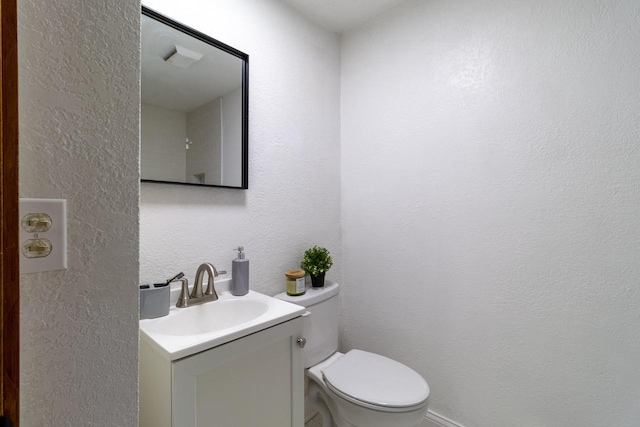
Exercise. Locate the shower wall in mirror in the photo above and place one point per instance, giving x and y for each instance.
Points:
(194, 122)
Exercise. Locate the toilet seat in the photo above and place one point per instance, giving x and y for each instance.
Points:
(376, 382)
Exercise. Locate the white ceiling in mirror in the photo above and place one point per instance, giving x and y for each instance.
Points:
(342, 15)
(160, 46)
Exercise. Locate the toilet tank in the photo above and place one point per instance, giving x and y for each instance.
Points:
(320, 321)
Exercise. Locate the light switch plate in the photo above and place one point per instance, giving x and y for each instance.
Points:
(43, 250)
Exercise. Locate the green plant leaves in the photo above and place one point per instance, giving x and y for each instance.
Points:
(316, 260)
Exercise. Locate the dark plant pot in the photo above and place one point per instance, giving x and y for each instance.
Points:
(317, 281)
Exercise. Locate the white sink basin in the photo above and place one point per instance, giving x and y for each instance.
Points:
(210, 317)
(190, 330)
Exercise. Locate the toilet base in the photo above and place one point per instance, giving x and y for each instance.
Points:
(319, 402)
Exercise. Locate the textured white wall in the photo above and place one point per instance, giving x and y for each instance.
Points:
(163, 134)
(79, 126)
(293, 199)
(232, 138)
(204, 130)
(490, 206)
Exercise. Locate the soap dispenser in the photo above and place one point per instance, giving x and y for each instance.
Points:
(240, 274)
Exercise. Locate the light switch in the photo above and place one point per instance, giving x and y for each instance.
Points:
(43, 235)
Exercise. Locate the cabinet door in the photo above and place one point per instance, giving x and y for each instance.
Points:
(255, 381)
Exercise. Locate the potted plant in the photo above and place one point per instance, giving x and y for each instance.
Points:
(316, 261)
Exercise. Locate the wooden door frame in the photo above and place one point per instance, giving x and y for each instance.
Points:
(9, 217)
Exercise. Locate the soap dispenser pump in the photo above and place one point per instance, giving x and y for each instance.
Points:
(240, 274)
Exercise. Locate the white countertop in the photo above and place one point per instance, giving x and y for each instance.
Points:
(161, 332)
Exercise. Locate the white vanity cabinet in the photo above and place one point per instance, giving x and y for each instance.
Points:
(253, 381)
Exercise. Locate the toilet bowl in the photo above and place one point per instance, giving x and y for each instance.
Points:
(357, 388)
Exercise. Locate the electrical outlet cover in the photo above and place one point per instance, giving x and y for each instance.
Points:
(56, 235)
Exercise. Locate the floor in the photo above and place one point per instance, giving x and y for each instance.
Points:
(314, 422)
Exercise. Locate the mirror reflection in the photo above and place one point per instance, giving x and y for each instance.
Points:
(194, 104)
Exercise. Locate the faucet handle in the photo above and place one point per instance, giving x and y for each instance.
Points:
(220, 272)
(184, 294)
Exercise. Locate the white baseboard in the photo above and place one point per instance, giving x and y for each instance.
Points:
(435, 420)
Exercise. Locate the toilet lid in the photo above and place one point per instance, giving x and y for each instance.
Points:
(376, 380)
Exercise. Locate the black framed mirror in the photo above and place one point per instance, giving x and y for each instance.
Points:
(195, 107)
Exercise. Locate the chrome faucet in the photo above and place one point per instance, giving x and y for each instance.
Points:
(197, 296)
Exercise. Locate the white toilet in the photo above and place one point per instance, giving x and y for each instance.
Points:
(358, 388)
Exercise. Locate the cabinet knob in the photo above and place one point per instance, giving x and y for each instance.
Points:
(302, 342)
